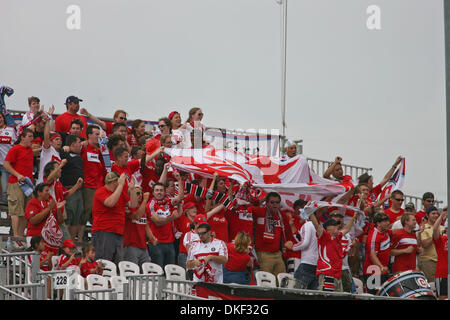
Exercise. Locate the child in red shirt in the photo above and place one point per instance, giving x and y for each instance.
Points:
(88, 265)
(67, 258)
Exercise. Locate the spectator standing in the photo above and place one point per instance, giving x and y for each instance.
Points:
(71, 172)
(377, 255)
(427, 200)
(395, 211)
(236, 270)
(404, 245)
(7, 139)
(207, 256)
(162, 211)
(108, 216)
(137, 230)
(63, 121)
(34, 104)
(178, 131)
(335, 170)
(93, 168)
(290, 150)
(292, 257)
(137, 131)
(19, 163)
(440, 240)
(271, 233)
(51, 147)
(428, 257)
(331, 252)
(44, 215)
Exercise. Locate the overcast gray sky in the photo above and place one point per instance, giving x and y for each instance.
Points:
(366, 95)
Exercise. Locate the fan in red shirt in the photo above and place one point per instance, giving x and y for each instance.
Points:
(331, 252)
(108, 216)
(162, 212)
(88, 265)
(137, 231)
(335, 170)
(238, 267)
(377, 251)
(395, 211)
(44, 216)
(404, 245)
(271, 233)
(441, 244)
(67, 259)
(427, 200)
(62, 122)
(19, 163)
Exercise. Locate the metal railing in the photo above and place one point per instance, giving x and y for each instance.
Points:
(320, 166)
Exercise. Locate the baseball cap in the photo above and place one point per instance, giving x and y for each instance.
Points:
(172, 114)
(69, 244)
(111, 177)
(410, 205)
(200, 218)
(431, 208)
(72, 99)
(336, 213)
(188, 205)
(289, 143)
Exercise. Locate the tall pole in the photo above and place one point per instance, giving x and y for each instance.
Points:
(447, 99)
(283, 6)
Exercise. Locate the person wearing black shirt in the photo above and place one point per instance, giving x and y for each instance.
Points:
(71, 172)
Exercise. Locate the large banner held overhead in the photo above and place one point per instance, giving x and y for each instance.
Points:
(292, 179)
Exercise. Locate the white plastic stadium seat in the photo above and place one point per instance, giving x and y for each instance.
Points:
(117, 283)
(152, 268)
(109, 268)
(265, 279)
(175, 272)
(283, 275)
(128, 267)
(359, 285)
(98, 282)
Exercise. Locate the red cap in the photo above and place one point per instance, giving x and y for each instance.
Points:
(172, 114)
(189, 205)
(201, 218)
(69, 244)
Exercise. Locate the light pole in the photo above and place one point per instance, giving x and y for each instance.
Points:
(283, 7)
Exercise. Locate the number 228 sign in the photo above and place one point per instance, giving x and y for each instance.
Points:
(60, 280)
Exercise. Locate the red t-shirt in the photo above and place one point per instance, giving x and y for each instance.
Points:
(105, 218)
(236, 261)
(62, 122)
(93, 167)
(419, 216)
(298, 223)
(131, 167)
(401, 240)
(219, 226)
(149, 177)
(21, 159)
(199, 204)
(182, 224)
(393, 215)
(64, 258)
(239, 220)
(162, 209)
(85, 268)
(35, 206)
(441, 246)
(331, 254)
(134, 234)
(268, 237)
(380, 243)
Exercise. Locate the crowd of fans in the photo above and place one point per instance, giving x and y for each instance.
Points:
(61, 175)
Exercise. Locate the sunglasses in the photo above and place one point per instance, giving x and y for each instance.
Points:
(429, 200)
(274, 202)
(122, 118)
(202, 233)
(400, 200)
(138, 193)
(161, 125)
